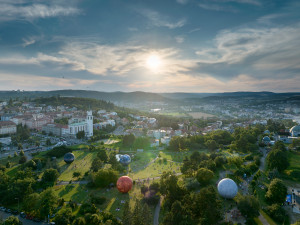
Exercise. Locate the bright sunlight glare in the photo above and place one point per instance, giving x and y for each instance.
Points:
(153, 62)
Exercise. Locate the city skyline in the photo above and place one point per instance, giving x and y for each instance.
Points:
(169, 46)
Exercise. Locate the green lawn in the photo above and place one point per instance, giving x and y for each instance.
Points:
(156, 169)
(293, 171)
(74, 192)
(80, 194)
(140, 160)
(82, 164)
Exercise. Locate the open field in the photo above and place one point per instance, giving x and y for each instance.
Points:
(200, 115)
(175, 114)
(82, 164)
(293, 171)
(81, 194)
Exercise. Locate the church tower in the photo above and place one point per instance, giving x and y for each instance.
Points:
(89, 121)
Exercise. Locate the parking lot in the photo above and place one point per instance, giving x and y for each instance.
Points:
(4, 215)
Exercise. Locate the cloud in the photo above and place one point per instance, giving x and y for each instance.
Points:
(159, 20)
(182, 1)
(28, 42)
(216, 7)
(14, 10)
(264, 51)
(179, 39)
(251, 2)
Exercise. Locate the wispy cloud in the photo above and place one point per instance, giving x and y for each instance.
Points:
(12, 10)
(179, 39)
(182, 1)
(251, 2)
(216, 7)
(159, 20)
(256, 49)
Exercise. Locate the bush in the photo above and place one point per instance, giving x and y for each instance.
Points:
(58, 151)
(104, 177)
(97, 200)
(277, 213)
(76, 174)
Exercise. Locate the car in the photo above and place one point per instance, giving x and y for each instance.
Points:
(2, 208)
(8, 210)
(22, 214)
(36, 220)
(15, 212)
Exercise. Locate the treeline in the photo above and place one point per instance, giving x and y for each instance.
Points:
(242, 140)
(79, 103)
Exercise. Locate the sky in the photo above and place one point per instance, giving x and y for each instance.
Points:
(150, 45)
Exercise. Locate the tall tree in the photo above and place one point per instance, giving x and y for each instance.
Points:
(276, 192)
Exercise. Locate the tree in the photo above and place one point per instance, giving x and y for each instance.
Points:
(176, 215)
(8, 165)
(12, 220)
(48, 142)
(64, 217)
(277, 213)
(50, 175)
(37, 143)
(21, 152)
(277, 159)
(30, 203)
(248, 205)
(102, 155)
(170, 188)
(80, 135)
(204, 176)
(96, 164)
(277, 191)
(47, 202)
(79, 221)
(104, 177)
(211, 145)
(23, 159)
(127, 215)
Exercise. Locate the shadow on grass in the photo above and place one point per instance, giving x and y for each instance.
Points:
(66, 190)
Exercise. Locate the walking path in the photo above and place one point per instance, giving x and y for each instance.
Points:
(263, 220)
(157, 210)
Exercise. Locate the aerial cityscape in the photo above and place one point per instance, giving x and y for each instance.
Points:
(174, 112)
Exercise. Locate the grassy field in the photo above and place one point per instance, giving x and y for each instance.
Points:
(80, 194)
(176, 114)
(200, 115)
(293, 171)
(82, 164)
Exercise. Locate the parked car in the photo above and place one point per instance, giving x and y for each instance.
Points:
(22, 214)
(36, 220)
(8, 210)
(2, 208)
(15, 212)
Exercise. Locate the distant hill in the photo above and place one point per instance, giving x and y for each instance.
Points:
(144, 97)
(130, 97)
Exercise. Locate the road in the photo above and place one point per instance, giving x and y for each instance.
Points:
(4, 215)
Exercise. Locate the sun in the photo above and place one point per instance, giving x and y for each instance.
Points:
(153, 62)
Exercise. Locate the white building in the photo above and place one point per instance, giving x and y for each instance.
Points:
(81, 124)
(7, 127)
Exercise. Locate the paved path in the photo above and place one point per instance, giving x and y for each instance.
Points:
(263, 220)
(157, 210)
(73, 182)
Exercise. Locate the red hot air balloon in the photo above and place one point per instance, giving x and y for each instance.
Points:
(124, 184)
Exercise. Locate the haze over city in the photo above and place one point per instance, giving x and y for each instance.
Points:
(157, 46)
